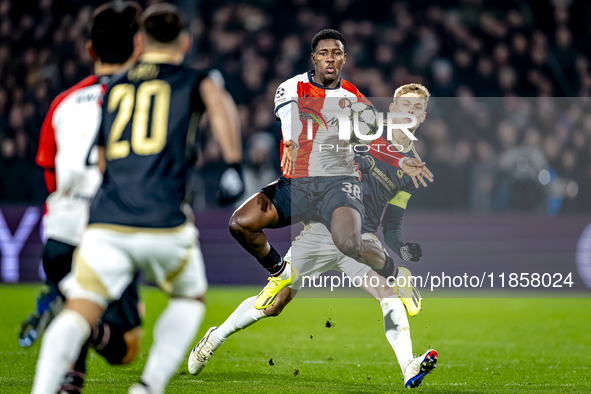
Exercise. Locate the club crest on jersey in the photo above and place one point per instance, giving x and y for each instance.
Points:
(345, 102)
(88, 98)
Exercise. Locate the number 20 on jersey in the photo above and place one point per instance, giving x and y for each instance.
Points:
(123, 97)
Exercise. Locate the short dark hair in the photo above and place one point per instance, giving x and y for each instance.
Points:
(162, 23)
(112, 29)
(328, 34)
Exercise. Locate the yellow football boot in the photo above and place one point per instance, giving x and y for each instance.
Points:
(269, 294)
(405, 288)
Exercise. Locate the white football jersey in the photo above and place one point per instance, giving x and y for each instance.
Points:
(72, 176)
(320, 151)
(336, 156)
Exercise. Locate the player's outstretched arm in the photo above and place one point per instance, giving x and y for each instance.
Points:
(379, 149)
(223, 117)
(392, 228)
(417, 170)
(225, 126)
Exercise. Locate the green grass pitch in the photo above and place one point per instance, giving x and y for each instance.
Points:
(485, 346)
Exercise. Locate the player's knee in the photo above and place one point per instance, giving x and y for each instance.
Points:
(349, 246)
(239, 224)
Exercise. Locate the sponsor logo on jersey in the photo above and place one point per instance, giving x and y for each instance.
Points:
(88, 98)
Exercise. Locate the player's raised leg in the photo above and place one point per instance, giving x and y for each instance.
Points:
(244, 316)
(345, 227)
(246, 226)
(311, 253)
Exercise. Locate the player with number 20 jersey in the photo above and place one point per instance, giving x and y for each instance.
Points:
(137, 219)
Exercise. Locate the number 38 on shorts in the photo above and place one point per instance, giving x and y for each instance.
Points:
(353, 191)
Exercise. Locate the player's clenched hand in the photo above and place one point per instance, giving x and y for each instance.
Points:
(416, 170)
(231, 186)
(290, 155)
(411, 252)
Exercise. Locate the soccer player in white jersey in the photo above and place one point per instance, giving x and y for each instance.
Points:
(314, 252)
(72, 177)
(325, 185)
(139, 219)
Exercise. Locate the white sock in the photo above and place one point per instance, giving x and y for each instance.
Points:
(173, 333)
(397, 330)
(245, 315)
(59, 350)
(286, 274)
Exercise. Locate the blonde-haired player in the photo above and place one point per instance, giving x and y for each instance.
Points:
(412, 98)
(386, 191)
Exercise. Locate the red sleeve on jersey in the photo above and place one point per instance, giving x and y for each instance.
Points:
(379, 150)
(281, 156)
(103, 91)
(50, 180)
(47, 146)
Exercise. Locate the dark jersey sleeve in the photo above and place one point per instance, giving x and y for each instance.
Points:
(392, 219)
(364, 163)
(100, 135)
(392, 228)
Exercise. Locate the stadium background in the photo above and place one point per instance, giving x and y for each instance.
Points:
(491, 208)
(508, 132)
(456, 48)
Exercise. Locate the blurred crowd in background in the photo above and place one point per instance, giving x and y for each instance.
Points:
(522, 144)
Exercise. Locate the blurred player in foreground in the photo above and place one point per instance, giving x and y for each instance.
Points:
(72, 177)
(138, 219)
(323, 184)
(386, 191)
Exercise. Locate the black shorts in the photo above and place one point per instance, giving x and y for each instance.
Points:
(123, 313)
(57, 260)
(313, 198)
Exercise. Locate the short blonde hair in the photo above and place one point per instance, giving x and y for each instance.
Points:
(415, 88)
